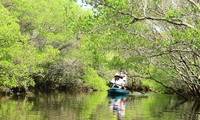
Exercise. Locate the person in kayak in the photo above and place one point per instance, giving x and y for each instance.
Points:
(123, 74)
(117, 81)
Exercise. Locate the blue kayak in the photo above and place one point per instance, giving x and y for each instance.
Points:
(117, 97)
(118, 91)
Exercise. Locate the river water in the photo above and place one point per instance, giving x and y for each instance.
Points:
(97, 106)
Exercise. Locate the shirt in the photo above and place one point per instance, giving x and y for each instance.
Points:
(124, 80)
(117, 82)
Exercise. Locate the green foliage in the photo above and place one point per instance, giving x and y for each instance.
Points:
(174, 13)
(31, 32)
(92, 79)
(188, 35)
(55, 23)
(18, 59)
(9, 29)
(116, 62)
(133, 35)
(91, 51)
(153, 86)
(117, 2)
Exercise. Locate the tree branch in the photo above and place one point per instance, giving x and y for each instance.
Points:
(179, 22)
(135, 19)
(194, 3)
(174, 21)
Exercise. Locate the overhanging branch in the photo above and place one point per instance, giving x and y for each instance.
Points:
(173, 21)
(195, 4)
(157, 81)
(179, 22)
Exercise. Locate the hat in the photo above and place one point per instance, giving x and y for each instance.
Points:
(118, 75)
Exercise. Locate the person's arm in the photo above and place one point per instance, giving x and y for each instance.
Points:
(112, 81)
(123, 83)
(118, 83)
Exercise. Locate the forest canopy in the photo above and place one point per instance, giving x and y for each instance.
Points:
(61, 43)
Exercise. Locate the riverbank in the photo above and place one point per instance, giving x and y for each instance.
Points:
(51, 86)
(44, 87)
(75, 86)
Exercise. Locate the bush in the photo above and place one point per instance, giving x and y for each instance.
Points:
(92, 79)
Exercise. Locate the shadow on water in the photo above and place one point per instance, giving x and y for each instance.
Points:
(97, 106)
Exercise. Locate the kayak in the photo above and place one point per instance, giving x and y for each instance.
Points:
(118, 91)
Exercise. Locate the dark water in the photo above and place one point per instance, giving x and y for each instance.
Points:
(97, 106)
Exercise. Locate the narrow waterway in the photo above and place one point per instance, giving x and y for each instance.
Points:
(97, 106)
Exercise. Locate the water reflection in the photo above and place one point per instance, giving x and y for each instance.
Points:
(117, 105)
(191, 113)
(97, 106)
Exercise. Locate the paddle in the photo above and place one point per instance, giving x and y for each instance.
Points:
(115, 84)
